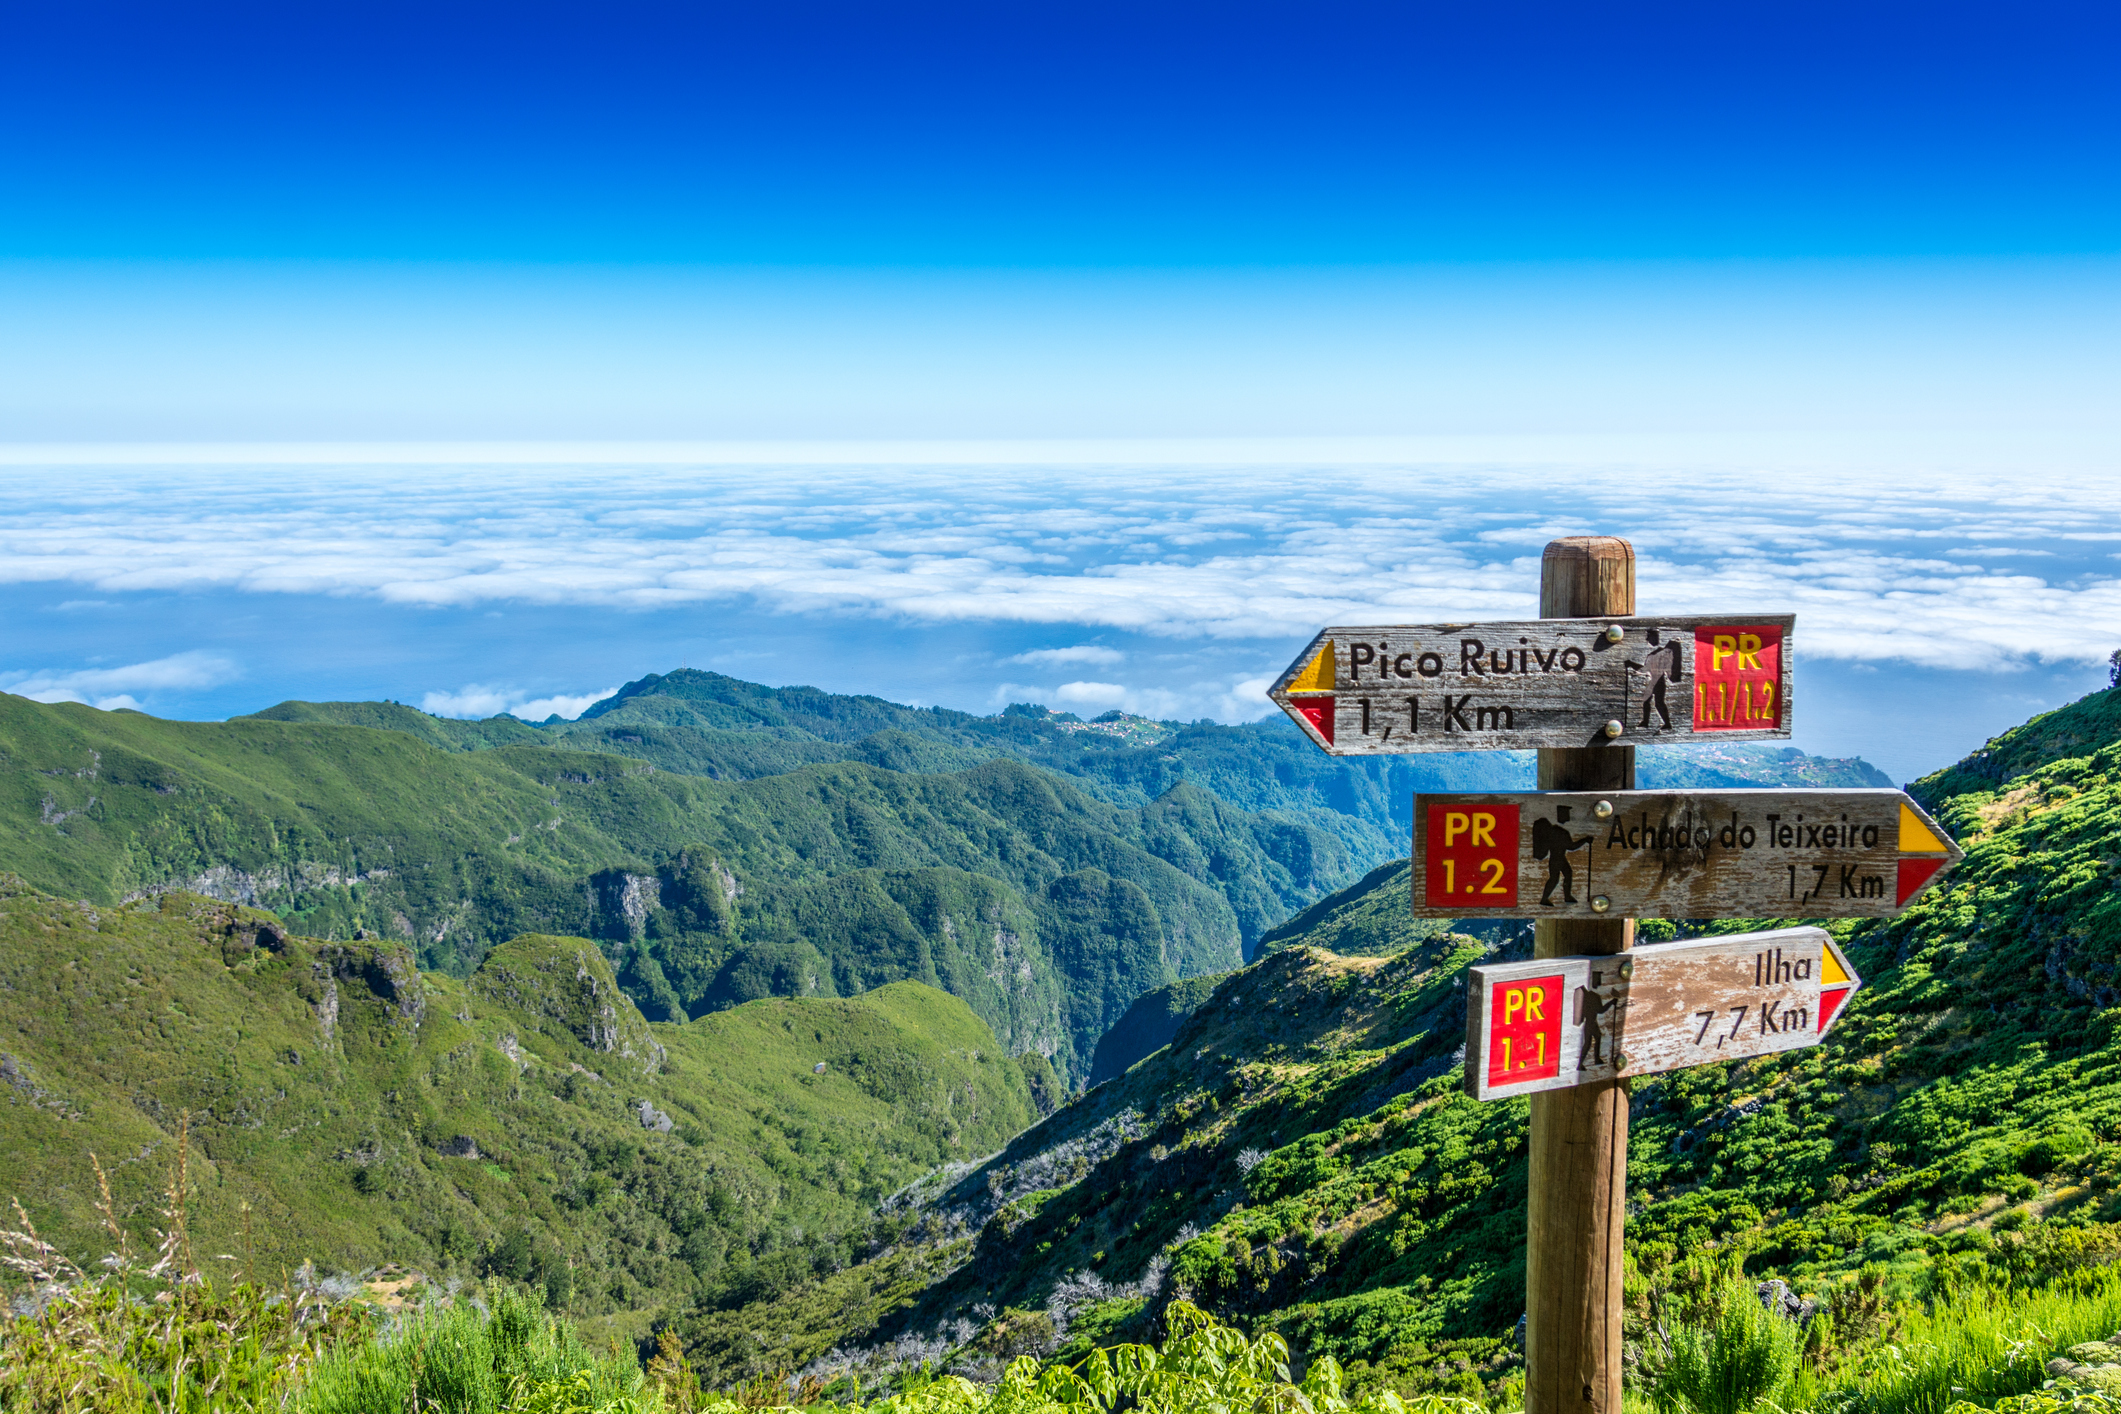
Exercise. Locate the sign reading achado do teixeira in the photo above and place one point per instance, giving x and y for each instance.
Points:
(1561, 1021)
(1675, 854)
(1542, 682)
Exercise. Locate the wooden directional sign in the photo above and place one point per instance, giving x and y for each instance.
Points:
(1675, 854)
(1543, 682)
(1562, 1021)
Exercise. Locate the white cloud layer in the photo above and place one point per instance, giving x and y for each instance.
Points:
(480, 700)
(113, 688)
(1974, 571)
(1228, 700)
(1056, 657)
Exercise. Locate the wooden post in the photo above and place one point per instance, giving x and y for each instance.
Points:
(1579, 1162)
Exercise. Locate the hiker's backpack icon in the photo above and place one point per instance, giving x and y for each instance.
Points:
(1674, 671)
(1552, 842)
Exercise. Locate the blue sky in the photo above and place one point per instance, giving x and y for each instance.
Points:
(462, 353)
(1046, 134)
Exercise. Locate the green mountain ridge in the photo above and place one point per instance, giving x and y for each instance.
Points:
(525, 1122)
(704, 723)
(1300, 1156)
(1047, 909)
(726, 841)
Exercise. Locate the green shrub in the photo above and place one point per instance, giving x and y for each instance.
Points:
(1746, 1356)
(2050, 1150)
(2048, 1401)
(455, 1361)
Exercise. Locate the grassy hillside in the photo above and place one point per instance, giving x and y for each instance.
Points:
(1045, 908)
(525, 1122)
(1300, 1157)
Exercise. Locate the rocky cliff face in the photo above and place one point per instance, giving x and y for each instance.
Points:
(566, 985)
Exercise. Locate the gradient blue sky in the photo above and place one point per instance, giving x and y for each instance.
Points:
(1827, 269)
(615, 222)
(1046, 134)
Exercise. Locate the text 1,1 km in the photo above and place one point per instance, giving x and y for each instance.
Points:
(1363, 690)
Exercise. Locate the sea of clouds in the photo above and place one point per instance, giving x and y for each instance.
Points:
(1172, 590)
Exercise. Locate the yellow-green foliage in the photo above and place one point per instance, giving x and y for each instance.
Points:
(102, 1350)
(1202, 1368)
(1368, 918)
(153, 1336)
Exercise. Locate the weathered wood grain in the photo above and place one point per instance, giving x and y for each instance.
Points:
(1577, 1201)
(1542, 683)
(1674, 854)
(1558, 1023)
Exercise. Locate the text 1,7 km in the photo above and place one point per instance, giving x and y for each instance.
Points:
(1659, 854)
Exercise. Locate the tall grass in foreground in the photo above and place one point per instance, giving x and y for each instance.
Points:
(1745, 1354)
(154, 1336)
(1978, 1345)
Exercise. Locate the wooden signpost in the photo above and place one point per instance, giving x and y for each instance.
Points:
(1669, 854)
(1587, 854)
(1542, 682)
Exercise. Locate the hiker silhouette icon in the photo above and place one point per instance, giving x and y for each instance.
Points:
(1552, 842)
(1670, 666)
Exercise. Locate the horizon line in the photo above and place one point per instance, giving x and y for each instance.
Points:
(1821, 448)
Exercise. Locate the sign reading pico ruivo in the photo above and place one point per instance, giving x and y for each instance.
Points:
(1556, 1022)
(1675, 854)
(1543, 682)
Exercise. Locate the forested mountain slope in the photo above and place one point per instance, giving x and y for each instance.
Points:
(1301, 1155)
(709, 724)
(525, 1121)
(728, 841)
(1048, 910)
